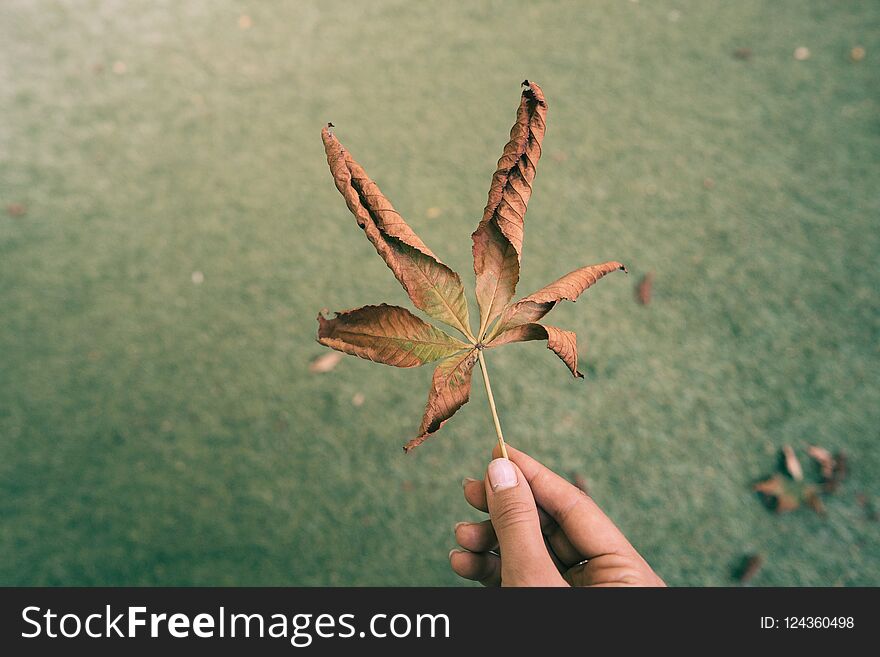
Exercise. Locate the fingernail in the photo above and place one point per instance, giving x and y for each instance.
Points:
(451, 552)
(502, 475)
(459, 524)
(466, 481)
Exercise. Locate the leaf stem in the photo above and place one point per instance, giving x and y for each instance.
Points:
(491, 402)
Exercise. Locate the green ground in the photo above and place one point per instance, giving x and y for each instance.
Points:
(157, 431)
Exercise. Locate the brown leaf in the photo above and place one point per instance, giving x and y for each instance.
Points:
(538, 304)
(450, 390)
(498, 238)
(777, 494)
(386, 334)
(325, 362)
(792, 464)
(825, 460)
(432, 286)
(394, 336)
(562, 343)
(16, 210)
(749, 567)
(832, 468)
(644, 288)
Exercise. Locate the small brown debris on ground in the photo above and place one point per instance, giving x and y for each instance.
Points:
(750, 565)
(325, 362)
(16, 210)
(644, 288)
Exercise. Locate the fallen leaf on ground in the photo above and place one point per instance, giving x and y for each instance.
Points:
(644, 288)
(778, 494)
(824, 458)
(325, 362)
(832, 468)
(16, 210)
(792, 464)
(748, 568)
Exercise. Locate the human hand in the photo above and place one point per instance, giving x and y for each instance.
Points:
(542, 531)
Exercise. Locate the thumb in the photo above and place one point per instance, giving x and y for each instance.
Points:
(524, 557)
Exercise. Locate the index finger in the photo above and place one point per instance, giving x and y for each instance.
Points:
(587, 527)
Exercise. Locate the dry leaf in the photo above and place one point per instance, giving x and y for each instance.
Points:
(832, 468)
(498, 239)
(386, 334)
(562, 343)
(536, 305)
(825, 460)
(644, 288)
(394, 336)
(16, 210)
(749, 567)
(450, 390)
(792, 464)
(432, 286)
(325, 362)
(778, 494)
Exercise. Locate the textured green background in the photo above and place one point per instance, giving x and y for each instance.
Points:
(155, 431)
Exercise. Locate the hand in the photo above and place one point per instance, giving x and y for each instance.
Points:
(563, 540)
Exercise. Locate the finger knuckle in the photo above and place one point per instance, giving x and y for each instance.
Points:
(510, 513)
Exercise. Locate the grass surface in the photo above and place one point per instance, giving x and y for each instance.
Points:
(158, 431)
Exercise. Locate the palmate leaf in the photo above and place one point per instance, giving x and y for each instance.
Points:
(394, 336)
